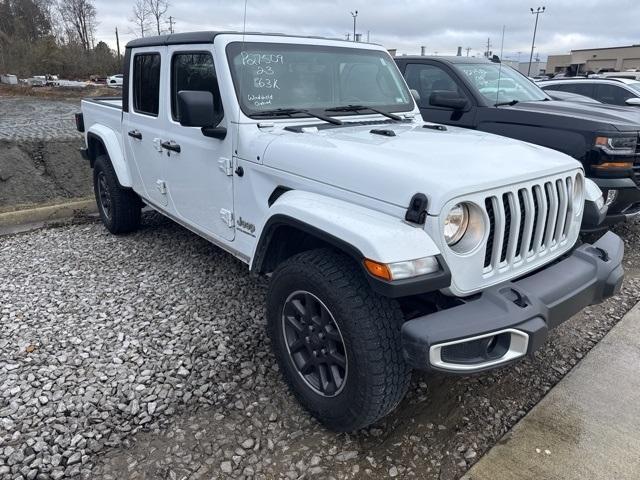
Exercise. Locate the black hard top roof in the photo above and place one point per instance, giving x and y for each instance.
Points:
(200, 37)
(445, 58)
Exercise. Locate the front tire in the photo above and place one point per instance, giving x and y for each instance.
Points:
(119, 207)
(337, 343)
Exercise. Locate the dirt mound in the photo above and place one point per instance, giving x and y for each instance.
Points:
(42, 172)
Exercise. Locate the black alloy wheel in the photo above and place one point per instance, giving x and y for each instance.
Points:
(103, 194)
(314, 343)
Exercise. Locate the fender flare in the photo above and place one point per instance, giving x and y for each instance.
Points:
(112, 145)
(360, 233)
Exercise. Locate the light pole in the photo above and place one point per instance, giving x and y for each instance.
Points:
(354, 15)
(535, 12)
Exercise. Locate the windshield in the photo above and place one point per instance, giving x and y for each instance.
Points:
(635, 86)
(501, 85)
(269, 76)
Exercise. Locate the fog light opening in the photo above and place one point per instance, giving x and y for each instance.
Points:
(476, 353)
(498, 346)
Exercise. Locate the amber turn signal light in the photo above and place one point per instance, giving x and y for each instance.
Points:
(376, 269)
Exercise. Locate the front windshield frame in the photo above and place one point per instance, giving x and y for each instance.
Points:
(234, 49)
(510, 76)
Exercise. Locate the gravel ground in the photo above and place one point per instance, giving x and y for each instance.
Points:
(40, 162)
(145, 357)
(25, 118)
(42, 171)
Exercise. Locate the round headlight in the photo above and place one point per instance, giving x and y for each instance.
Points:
(456, 223)
(578, 194)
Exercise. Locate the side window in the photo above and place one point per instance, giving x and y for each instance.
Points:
(427, 79)
(585, 89)
(146, 83)
(193, 71)
(559, 87)
(612, 94)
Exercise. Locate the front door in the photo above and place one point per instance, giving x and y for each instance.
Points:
(427, 79)
(199, 176)
(143, 124)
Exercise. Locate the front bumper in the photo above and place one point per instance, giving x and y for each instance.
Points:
(626, 205)
(511, 320)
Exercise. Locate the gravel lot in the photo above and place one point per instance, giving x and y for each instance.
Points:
(145, 357)
(40, 161)
(25, 118)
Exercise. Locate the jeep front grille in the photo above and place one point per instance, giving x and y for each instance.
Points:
(527, 222)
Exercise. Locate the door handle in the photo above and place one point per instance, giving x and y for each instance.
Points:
(171, 145)
(135, 134)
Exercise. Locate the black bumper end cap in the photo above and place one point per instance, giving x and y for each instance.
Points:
(589, 275)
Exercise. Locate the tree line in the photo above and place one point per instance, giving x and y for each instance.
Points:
(58, 37)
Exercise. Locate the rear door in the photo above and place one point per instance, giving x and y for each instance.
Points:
(585, 88)
(144, 123)
(199, 176)
(612, 94)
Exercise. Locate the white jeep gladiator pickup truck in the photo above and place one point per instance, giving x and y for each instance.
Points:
(390, 244)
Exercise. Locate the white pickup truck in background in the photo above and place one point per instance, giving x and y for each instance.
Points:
(390, 244)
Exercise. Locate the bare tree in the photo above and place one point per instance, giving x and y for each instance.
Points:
(79, 17)
(141, 17)
(157, 9)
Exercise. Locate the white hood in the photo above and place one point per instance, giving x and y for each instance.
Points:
(441, 164)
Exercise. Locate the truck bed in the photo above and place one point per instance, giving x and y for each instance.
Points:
(103, 111)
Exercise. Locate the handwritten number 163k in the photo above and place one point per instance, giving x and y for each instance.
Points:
(259, 82)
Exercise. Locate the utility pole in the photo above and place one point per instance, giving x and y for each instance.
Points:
(468, 49)
(488, 52)
(354, 15)
(535, 12)
(368, 34)
(171, 22)
(118, 43)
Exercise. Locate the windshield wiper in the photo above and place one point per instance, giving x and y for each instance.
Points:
(292, 111)
(510, 103)
(357, 108)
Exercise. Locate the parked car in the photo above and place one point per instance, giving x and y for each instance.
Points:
(115, 80)
(570, 97)
(612, 91)
(389, 243)
(488, 96)
(630, 74)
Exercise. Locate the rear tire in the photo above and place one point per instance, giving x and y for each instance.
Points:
(119, 207)
(355, 374)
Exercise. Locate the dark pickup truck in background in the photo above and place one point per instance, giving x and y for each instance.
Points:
(488, 96)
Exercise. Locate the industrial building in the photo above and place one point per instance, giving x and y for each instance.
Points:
(595, 60)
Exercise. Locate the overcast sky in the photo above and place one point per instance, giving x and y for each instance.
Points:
(440, 25)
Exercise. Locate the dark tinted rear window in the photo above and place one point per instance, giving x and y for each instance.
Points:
(146, 83)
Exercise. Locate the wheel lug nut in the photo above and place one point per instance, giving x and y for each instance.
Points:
(324, 352)
(315, 353)
(307, 339)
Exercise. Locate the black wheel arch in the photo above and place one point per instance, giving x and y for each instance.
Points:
(95, 147)
(284, 236)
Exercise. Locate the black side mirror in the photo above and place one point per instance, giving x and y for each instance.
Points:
(448, 100)
(196, 108)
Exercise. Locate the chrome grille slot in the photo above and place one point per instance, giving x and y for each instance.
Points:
(527, 222)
